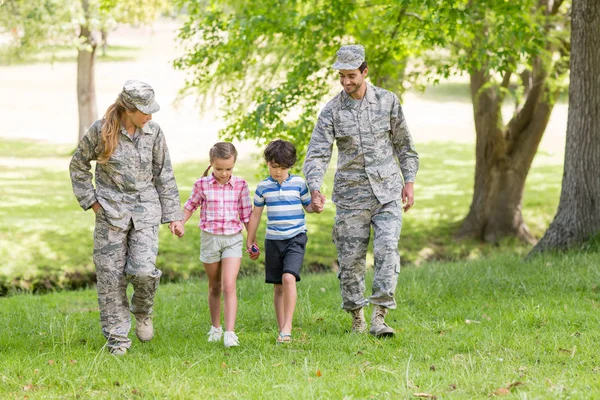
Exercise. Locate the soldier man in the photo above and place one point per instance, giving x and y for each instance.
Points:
(376, 168)
(135, 191)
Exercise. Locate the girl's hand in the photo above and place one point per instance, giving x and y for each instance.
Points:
(177, 228)
(253, 251)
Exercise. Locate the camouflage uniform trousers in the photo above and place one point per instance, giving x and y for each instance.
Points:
(122, 256)
(351, 234)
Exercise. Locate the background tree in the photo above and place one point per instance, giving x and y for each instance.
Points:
(48, 24)
(271, 62)
(578, 216)
(517, 51)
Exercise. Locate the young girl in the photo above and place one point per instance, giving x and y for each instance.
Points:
(225, 205)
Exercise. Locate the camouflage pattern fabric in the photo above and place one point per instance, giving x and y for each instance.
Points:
(122, 256)
(136, 183)
(375, 149)
(137, 191)
(376, 155)
(351, 234)
(350, 57)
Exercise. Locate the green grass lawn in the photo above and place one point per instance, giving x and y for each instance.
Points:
(46, 239)
(62, 54)
(470, 329)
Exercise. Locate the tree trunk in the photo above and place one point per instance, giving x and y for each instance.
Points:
(86, 88)
(104, 40)
(578, 215)
(503, 157)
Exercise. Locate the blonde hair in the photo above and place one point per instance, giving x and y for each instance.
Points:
(223, 151)
(111, 126)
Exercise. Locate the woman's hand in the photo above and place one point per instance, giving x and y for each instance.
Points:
(177, 228)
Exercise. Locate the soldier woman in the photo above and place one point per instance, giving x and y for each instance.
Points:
(134, 192)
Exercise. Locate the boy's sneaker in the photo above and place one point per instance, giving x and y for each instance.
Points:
(143, 327)
(359, 325)
(378, 326)
(215, 334)
(230, 339)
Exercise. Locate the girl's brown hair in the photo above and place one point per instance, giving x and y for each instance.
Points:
(223, 151)
(111, 126)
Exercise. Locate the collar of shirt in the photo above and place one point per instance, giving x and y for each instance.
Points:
(369, 96)
(270, 179)
(212, 180)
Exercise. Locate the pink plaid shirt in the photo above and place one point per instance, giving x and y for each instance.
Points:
(224, 208)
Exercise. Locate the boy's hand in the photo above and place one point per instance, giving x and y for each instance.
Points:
(317, 201)
(253, 251)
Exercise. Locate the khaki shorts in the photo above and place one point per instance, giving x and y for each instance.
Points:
(214, 248)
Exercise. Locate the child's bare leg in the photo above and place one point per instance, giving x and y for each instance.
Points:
(213, 273)
(278, 302)
(230, 267)
(289, 301)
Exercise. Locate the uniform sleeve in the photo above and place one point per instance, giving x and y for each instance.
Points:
(403, 143)
(319, 151)
(245, 205)
(80, 168)
(164, 181)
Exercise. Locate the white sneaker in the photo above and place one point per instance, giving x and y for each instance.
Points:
(230, 339)
(215, 334)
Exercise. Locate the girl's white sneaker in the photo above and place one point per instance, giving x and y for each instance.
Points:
(230, 339)
(215, 334)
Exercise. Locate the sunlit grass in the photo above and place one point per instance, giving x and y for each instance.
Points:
(468, 329)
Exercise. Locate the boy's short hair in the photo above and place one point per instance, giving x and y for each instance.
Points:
(281, 152)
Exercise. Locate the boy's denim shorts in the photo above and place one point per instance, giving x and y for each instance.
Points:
(214, 248)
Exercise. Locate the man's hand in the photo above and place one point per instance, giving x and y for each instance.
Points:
(177, 228)
(317, 201)
(408, 196)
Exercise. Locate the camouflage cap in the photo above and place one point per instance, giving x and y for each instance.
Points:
(350, 57)
(141, 95)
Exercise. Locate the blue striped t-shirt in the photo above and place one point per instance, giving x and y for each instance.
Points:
(285, 212)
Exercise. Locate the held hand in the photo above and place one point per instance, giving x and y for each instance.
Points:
(96, 206)
(253, 251)
(317, 201)
(408, 196)
(176, 228)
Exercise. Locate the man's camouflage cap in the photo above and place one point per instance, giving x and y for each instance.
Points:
(350, 57)
(141, 95)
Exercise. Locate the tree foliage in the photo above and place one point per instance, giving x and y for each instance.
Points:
(270, 60)
(36, 24)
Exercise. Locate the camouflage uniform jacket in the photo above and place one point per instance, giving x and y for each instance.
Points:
(136, 183)
(374, 146)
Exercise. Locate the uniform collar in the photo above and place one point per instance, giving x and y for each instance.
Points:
(145, 129)
(348, 101)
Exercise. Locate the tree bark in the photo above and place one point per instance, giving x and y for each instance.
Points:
(503, 156)
(578, 216)
(86, 88)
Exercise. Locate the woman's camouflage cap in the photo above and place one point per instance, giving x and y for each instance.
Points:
(350, 57)
(141, 95)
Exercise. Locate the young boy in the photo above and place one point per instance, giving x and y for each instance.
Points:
(286, 197)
